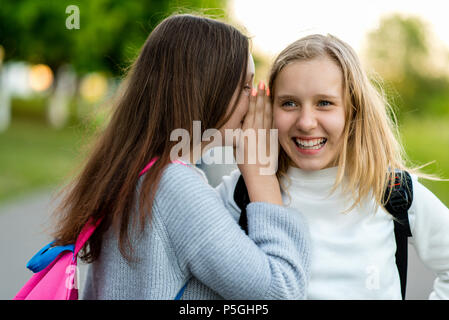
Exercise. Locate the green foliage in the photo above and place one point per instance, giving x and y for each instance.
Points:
(426, 140)
(400, 51)
(32, 108)
(111, 31)
(35, 156)
(35, 108)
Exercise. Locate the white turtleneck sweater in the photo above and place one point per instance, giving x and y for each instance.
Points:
(353, 253)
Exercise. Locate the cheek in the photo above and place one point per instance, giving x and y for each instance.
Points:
(339, 126)
(241, 109)
(334, 125)
(238, 115)
(283, 122)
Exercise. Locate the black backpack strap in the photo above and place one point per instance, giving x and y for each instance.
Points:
(241, 198)
(400, 201)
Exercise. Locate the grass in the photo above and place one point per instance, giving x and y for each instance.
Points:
(34, 156)
(426, 140)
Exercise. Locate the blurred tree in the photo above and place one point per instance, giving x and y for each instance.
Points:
(401, 52)
(110, 34)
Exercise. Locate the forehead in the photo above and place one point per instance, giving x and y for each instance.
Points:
(317, 76)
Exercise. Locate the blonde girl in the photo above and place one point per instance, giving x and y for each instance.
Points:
(338, 152)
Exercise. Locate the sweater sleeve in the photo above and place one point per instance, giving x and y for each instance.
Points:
(270, 263)
(429, 222)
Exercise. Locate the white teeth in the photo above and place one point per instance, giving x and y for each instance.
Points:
(311, 144)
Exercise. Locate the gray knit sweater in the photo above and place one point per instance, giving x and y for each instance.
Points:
(193, 237)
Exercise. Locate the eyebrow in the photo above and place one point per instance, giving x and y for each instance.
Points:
(320, 95)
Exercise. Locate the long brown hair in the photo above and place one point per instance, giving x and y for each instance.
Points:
(187, 70)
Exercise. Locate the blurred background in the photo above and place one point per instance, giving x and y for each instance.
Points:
(61, 62)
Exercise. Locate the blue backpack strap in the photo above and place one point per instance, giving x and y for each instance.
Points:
(181, 291)
(47, 255)
(397, 205)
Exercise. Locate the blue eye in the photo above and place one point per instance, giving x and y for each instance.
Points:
(324, 103)
(288, 104)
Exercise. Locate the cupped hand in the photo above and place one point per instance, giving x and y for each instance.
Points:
(257, 148)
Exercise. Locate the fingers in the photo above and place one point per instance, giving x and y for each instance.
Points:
(248, 122)
(259, 116)
(268, 111)
(260, 106)
(259, 113)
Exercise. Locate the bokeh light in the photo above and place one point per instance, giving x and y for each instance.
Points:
(40, 77)
(93, 87)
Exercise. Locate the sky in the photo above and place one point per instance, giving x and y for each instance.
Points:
(276, 23)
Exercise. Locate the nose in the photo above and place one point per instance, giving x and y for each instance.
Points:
(306, 119)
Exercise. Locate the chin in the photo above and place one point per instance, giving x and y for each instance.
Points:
(309, 165)
(310, 168)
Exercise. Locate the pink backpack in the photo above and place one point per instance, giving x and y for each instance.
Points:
(57, 281)
(55, 267)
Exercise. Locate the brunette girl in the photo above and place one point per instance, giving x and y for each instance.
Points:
(167, 234)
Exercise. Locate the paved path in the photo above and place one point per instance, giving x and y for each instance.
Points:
(24, 228)
(22, 234)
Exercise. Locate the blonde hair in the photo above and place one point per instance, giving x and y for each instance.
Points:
(370, 149)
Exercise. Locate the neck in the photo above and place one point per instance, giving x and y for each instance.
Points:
(325, 174)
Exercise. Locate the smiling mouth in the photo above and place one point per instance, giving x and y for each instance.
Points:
(311, 144)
